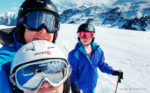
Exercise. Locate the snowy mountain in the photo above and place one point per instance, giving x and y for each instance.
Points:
(124, 49)
(126, 14)
(67, 4)
(8, 18)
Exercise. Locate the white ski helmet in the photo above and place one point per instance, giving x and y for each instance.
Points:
(36, 50)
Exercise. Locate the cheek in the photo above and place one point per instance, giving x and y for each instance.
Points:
(28, 36)
(50, 37)
(86, 40)
(91, 40)
(60, 88)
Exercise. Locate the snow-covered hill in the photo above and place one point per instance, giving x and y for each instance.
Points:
(124, 49)
(4, 26)
(63, 5)
(138, 8)
(128, 14)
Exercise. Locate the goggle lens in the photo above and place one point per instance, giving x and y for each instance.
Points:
(86, 34)
(30, 76)
(36, 20)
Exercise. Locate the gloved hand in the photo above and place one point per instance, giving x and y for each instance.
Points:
(74, 88)
(118, 73)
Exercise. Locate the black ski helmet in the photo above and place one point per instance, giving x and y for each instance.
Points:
(86, 27)
(35, 5)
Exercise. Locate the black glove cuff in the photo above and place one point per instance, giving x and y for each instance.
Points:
(116, 73)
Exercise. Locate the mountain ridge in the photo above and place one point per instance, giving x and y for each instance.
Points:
(134, 15)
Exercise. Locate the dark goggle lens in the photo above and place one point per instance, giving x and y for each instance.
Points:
(86, 34)
(30, 76)
(37, 20)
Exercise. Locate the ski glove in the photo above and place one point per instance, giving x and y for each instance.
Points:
(118, 73)
(74, 88)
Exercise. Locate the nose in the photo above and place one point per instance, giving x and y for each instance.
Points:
(46, 85)
(85, 36)
(43, 30)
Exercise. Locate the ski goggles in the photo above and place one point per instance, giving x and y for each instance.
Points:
(37, 20)
(85, 35)
(29, 77)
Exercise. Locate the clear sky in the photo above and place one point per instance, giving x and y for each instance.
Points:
(10, 5)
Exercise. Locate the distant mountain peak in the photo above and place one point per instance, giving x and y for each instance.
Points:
(7, 14)
(128, 14)
(8, 18)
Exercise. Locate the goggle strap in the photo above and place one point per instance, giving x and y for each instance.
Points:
(12, 80)
(20, 20)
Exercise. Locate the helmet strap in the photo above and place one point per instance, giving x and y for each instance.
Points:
(55, 36)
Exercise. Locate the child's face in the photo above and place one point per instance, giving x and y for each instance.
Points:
(86, 41)
(86, 37)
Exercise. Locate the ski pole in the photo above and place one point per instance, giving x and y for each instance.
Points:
(118, 81)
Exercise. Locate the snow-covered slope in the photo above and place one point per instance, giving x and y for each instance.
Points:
(124, 49)
(4, 26)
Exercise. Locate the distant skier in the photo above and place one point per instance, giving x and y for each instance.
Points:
(85, 59)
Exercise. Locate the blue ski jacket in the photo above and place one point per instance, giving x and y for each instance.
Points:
(6, 57)
(84, 68)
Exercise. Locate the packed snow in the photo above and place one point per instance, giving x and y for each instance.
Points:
(4, 26)
(124, 50)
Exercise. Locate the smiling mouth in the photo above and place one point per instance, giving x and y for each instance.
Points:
(40, 39)
(85, 41)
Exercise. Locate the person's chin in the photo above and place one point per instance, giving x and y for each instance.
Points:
(86, 43)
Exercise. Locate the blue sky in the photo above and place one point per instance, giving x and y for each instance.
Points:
(10, 5)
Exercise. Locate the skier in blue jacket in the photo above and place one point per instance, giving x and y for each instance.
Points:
(85, 59)
(37, 20)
